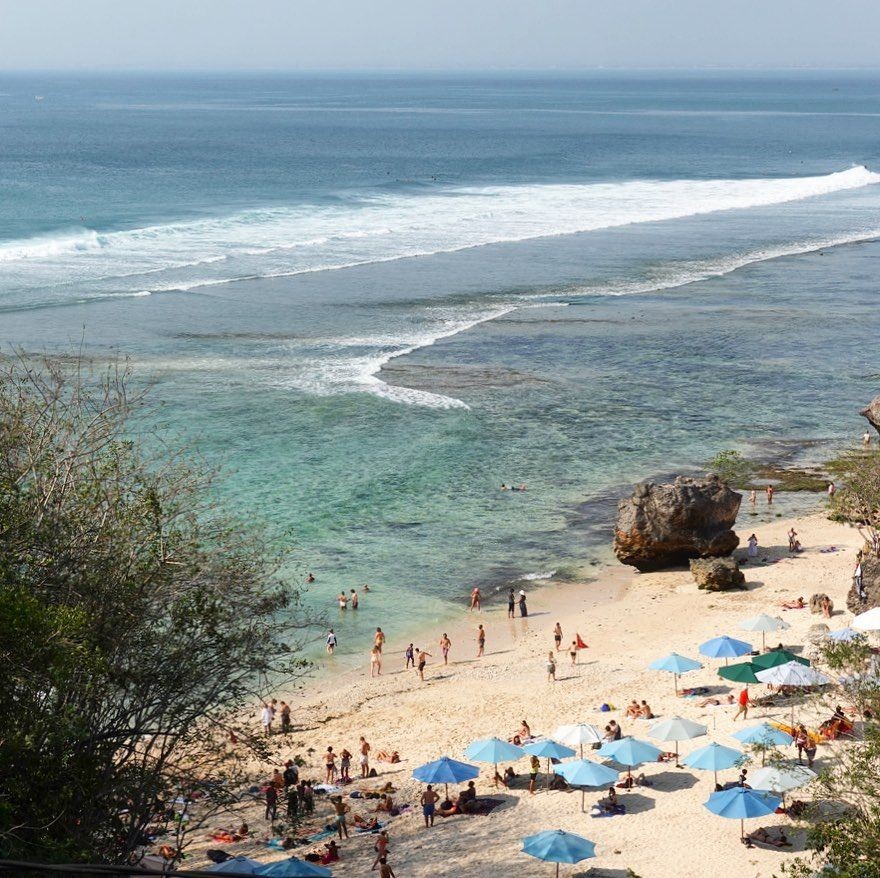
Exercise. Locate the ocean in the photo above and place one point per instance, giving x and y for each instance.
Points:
(373, 300)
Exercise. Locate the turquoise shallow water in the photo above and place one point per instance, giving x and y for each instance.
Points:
(373, 301)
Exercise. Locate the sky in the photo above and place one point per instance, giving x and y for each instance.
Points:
(410, 35)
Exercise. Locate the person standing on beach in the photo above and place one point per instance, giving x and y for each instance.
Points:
(429, 803)
(557, 636)
(769, 495)
(365, 757)
(379, 639)
(267, 714)
(551, 668)
(285, 717)
(353, 600)
(476, 601)
(792, 539)
(423, 660)
(330, 765)
(410, 655)
(523, 611)
(331, 642)
(744, 703)
(511, 603)
(573, 652)
(341, 810)
(445, 644)
(534, 768)
(375, 662)
(385, 871)
(481, 640)
(753, 546)
(271, 802)
(381, 847)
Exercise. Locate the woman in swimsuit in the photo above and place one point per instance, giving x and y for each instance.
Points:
(330, 765)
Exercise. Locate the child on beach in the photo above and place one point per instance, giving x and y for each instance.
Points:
(410, 657)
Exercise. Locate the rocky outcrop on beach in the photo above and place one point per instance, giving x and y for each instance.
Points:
(816, 602)
(717, 574)
(870, 596)
(872, 412)
(666, 525)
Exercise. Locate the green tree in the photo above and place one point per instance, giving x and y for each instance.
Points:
(139, 625)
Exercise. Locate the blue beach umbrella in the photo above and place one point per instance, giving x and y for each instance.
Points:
(763, 734)
(741, 803)
(585, 773)
(725, 647)
(494, 750)
(713, 757)
(294, 868)
(548, 749)
(556, 846)
(630, 752)
(237, 866)
(675, 664)
(445, 771)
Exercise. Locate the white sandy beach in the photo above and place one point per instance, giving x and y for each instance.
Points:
(627, 620)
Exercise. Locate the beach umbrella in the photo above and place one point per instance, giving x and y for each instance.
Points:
(778, 657)
(844, 634)
(584, 773)
(237, 866)
(556, 846)
(868, 621)
(725, 647)
(792, 674)
(713, 757)
(676, 729)
(741, 672)
(781, 778)
(293, 868)
(548, 749)
(675, 664)
(445, 771)
(494, 750)
(629, 752)
(578, 735)
(764, 623)
(741, 803)
(763, 733)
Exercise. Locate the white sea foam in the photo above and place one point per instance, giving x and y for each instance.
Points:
(362, 229)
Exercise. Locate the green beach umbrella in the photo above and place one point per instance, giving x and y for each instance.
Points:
(778, 657)
(742, 672)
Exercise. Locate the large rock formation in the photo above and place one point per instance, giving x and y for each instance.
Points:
(872, 412)
(870, 596)
(717, 574)
(666, 525)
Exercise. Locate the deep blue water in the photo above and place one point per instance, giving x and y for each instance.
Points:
(375, 299)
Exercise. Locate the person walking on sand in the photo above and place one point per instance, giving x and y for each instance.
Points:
(381, 847)
(481, 640)
(423, 660)
(551, 667)
(573, 652)
(365, 757)
(769, 495)
(476, 602)
(375, 662)
(557, 636)
(410, 656)
(511, 603)
(753, 546)
(445, 645)
(429, 803)
(331, 642)
(744, 703)
(379, 639)
(523, 610)
(385, 871)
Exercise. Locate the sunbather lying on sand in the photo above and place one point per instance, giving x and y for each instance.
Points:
(765, 836)
(794, 605)
(717, 702)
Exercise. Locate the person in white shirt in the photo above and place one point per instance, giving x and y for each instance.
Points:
(331, 642)
(266, 717)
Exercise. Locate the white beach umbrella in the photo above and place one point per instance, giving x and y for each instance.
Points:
(578, 735)
(868, 621)
(676, 729)
(764, 623)
(781, 778)
(792, 674)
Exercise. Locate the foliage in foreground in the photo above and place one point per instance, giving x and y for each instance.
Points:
(137, 626)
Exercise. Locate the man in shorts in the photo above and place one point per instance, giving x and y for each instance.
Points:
(365, 757)
(429, 803)
(423, 660)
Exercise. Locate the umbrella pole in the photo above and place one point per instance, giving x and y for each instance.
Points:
(676, 755)
(742, 828)
(583, 801)
(557, 870)
(716, 778)
(763, 641)
(549, 776)
(675, 682)
(496, 776)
